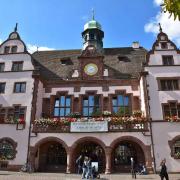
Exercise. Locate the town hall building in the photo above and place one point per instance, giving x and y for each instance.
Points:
(109, 104)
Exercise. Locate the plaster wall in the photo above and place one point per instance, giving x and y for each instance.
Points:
(18, 43)
(10, 58)
(158, 97)
(9, 98)
(162, 133)
(142, 98)
(156, 58)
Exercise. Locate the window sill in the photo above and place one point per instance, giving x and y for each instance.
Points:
(19, 92)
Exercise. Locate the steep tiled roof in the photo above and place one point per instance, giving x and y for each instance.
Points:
(121, 62)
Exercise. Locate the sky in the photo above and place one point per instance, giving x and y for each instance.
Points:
(57, 24)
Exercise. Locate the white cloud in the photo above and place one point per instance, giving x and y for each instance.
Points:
(1, 41)
(158, 2)
(169, 26)
(32, 48)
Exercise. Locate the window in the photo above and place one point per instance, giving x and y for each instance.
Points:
(168, 60)
(2, 87)
(91, 106)
(66, 61)
(2, 115)
(14, 49)
(6, 49)
(62, 106)
(177, 149)
(19, 112)
(163, 45)
(120, 105)
(171, 110)
(7, 150)
(17, 66)
(91, 36)
(1, 67)
(20, 87)
(12, 114)
(169, 84)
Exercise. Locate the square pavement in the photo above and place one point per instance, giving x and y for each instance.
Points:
(5, 175)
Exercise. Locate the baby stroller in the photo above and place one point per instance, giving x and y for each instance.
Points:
(95, 173)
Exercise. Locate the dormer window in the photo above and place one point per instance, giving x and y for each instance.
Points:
(14, 49)
(6, 49)
(17, 66)
(163, 45)
(66, 61)
(168, 60)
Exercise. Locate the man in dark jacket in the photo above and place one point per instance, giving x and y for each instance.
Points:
(163, 172)
(79, 163)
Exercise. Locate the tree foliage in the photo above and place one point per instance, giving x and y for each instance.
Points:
(173, 7)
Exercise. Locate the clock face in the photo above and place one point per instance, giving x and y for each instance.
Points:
(91, 69)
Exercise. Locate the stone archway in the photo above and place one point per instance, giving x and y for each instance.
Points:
(91, 147)
(125, 147)
(49, 154)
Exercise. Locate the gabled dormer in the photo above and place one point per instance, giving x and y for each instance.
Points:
(13, 44)
(164, 52)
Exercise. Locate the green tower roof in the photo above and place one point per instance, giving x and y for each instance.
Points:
(92, 25)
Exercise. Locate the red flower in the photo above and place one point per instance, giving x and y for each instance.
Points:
(21, 121)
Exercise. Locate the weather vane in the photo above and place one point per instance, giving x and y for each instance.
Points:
(15, 29)
(160, 28)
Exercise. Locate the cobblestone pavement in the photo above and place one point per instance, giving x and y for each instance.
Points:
(57, 176)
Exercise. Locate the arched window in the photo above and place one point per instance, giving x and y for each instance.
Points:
(7, 149)
(175, 147)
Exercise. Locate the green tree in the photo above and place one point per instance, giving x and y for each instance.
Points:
(173, 7)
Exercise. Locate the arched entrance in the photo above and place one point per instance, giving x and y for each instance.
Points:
(90, 148)
(122, 153)
(49, 155)
(52, 157)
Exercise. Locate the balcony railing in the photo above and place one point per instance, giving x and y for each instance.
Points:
(96, 124)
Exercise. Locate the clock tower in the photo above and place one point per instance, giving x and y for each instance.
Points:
(93, 34)
(91, 64)
(91, 59)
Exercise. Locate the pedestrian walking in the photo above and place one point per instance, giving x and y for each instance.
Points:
(163, 172)
(79, 163)
(84, 167)
(133, 168)
(89, 168)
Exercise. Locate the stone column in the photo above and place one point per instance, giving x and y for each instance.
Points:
(69, 161)
(108, 153)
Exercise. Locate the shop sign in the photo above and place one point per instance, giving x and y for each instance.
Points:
(89, 126)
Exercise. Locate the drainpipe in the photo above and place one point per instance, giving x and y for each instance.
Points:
(33, 110)
(149, 119)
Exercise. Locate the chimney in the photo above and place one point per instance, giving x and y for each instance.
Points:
(135, 45)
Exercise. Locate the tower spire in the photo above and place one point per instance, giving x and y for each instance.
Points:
(160, 28)
(92, 13)
(15, 29)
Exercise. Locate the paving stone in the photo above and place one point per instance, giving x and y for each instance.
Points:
(5, 175)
